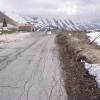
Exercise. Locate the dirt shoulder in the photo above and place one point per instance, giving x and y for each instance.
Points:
(73, 48)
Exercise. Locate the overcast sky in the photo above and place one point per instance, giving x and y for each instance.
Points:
(73, 8)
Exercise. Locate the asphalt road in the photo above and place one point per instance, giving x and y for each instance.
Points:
(30, 70)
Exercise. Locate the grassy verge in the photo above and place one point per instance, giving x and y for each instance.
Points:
(78, 83)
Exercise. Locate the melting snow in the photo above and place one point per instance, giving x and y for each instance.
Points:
(12, 37)
(93, 36)
(94, 69)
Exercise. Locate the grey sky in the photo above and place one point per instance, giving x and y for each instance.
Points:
(72, 8)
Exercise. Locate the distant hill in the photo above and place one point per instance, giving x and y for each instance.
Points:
(43, 23)
(9, 20)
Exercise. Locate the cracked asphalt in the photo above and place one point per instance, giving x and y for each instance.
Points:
(30, 70)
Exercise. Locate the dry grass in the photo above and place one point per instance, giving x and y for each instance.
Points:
(79, 84)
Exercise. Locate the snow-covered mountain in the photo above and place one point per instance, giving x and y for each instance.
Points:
(63, 24)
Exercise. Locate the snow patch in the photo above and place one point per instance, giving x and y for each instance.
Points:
(93, 36)
(7, 38)
(94, 70)
(49, 33)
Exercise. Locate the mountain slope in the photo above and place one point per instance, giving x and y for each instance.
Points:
(63, 24)
(16, 17)
(9, 20)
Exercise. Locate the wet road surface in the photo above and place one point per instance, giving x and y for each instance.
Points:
(30, 70)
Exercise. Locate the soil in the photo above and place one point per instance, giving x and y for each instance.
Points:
(74, 47)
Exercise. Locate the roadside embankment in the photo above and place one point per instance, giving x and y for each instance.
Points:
(74, 51)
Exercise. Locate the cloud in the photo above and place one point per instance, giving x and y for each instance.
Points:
(88, 9)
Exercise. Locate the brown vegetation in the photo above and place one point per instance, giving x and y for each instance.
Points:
(73, 48)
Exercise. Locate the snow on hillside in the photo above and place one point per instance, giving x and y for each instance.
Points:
(16, 17)
(61, 23)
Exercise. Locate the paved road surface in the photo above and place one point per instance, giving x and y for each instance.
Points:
(30, 70)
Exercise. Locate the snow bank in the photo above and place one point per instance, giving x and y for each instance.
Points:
(12, 37)
(94, 70)
(94, 35)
